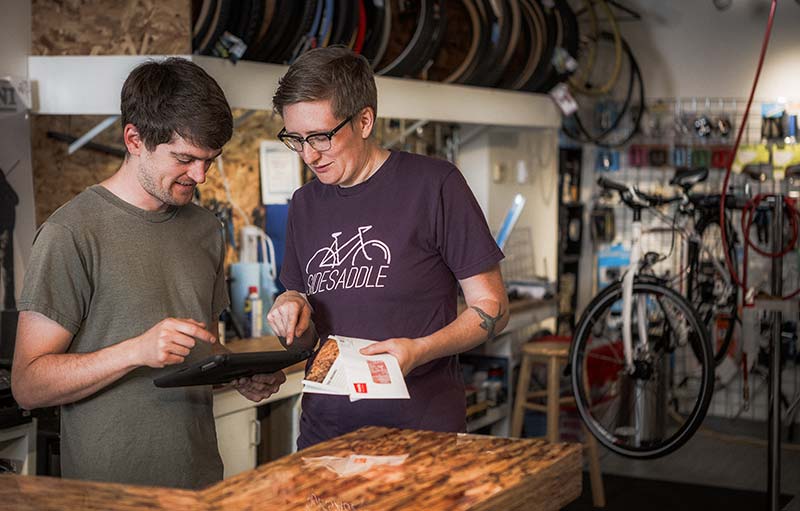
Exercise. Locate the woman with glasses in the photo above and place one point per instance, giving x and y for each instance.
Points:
(376, 248)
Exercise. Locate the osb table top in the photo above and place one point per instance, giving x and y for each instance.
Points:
(370, 469)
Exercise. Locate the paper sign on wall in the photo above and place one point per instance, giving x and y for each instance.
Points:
(280, 172)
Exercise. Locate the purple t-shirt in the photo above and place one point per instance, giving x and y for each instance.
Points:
(382, 259)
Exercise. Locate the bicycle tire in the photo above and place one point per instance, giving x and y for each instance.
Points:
(205, 14)
(579, 132)
(567, 40)
(659, 363)
(550, 34)
(498, 29)
(217, 26)
(374, 29)
(303, 23)
(419, 32)
(700, 300)
(528, 51)
(460, 42)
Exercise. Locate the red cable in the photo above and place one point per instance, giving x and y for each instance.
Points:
(728, 261)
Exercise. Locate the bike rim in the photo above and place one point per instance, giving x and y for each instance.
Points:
(631, 414)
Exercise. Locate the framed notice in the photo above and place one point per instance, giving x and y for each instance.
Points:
(280, 172)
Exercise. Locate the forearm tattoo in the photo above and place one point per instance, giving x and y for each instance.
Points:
(489, 323)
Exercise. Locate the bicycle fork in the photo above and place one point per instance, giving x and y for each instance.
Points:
(642, 429)
(627, 303)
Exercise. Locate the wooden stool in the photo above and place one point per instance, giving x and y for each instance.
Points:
(552, 351)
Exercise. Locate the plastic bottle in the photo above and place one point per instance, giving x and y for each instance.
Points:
(791, 137)
(252, 312)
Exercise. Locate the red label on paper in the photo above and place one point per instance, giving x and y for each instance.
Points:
(361, 388)
(379, 371)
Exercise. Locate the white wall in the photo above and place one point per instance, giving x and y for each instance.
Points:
(688, 48)
(501, 151)
(15, 145)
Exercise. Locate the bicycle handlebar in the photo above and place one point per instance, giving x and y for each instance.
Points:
(634, 197)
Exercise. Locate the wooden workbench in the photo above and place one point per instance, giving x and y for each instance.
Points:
(427, 471)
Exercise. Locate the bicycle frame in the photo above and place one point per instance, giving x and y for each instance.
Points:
(695, 238)
(357, 239)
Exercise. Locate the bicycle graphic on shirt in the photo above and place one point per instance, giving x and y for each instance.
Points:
(334, 255)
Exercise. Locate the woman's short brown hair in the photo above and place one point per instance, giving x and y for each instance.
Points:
(176, 96)
(335, 73)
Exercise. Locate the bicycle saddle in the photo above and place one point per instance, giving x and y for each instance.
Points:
(793, 171)
(687, 178)
(757, 171)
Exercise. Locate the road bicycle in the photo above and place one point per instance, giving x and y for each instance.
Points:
(641, 360)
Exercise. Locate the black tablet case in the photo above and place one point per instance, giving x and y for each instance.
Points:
(226, 367)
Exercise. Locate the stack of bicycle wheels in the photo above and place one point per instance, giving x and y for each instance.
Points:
(527, 45)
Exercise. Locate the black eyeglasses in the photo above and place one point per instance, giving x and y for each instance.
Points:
(317, 141)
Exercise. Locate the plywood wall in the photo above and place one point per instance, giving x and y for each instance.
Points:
(58, 176)
(111, 27)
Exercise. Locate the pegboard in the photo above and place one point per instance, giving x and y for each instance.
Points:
(670, 123)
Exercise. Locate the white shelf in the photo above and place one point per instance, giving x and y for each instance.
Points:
(73, 85)
(493, 414)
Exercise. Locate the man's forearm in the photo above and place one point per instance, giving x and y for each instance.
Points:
(57, 379)
(478, 323)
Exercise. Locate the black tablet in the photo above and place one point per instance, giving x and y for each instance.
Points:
(226, 367)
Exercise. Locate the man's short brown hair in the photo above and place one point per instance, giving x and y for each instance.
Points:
(176, 96)
(335, 73)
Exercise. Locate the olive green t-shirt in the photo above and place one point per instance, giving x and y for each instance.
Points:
(107, 271)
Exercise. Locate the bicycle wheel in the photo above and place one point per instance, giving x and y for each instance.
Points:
(657, 408)
(710, 288)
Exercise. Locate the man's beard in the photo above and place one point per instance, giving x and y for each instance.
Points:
(149, 185)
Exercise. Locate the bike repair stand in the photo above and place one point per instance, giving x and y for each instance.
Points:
(774, 395)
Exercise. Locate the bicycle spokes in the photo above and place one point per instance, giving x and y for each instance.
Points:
(643, 410)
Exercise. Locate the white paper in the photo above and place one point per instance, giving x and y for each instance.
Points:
(360, 376)
(353, 464)
(280, 172)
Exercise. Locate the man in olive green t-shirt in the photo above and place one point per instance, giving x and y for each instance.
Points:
(127, 279)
